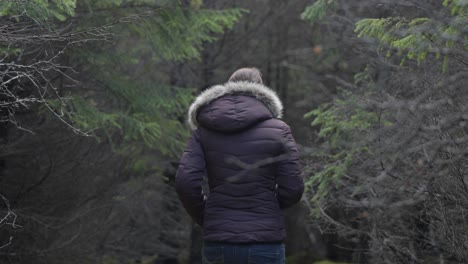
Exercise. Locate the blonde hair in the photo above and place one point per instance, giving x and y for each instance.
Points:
(247, 75)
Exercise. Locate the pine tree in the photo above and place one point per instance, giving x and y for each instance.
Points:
(151, 110)
(105, 72)
(388, 174)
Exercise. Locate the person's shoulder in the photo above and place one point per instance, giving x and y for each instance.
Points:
(276, 123)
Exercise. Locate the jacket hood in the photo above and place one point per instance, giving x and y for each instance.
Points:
(234, 112)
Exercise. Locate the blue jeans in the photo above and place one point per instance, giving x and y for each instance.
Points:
(227, 253)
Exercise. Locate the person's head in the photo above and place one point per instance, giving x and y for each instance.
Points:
(246, 75)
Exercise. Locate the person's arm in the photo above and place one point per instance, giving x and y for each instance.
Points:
(189, 178)
(289, 172)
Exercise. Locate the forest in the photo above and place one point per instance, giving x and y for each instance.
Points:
(94, 97)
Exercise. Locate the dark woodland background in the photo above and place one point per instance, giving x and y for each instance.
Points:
(93, 101)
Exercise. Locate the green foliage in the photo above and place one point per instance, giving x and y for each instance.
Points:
(405, 36)
(338, 124)
(364, 77)
(116, 5)
(149, 116)
(9, 51)
(196, 3)
(89, 118)
(102, 4)
(318, 10)
(416, 38)
(335, 167)
(344, 123)
(456, 6)
(145, 108)
(39, 10)
(173, 32)
(345, 126)
(178, 34)
(365, 171)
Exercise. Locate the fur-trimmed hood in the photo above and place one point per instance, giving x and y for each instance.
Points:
(262, 93)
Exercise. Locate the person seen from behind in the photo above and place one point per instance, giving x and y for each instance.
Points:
(252, 164)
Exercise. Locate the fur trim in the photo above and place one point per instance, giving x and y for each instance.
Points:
(259, 91)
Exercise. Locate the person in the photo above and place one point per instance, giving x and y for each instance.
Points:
(252, 164)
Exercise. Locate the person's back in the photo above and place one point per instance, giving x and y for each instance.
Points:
(252, 164)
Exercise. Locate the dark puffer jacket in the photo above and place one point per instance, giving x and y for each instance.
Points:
(250, 159)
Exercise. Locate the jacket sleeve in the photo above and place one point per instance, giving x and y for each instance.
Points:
(289, 173)
(189, 178)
